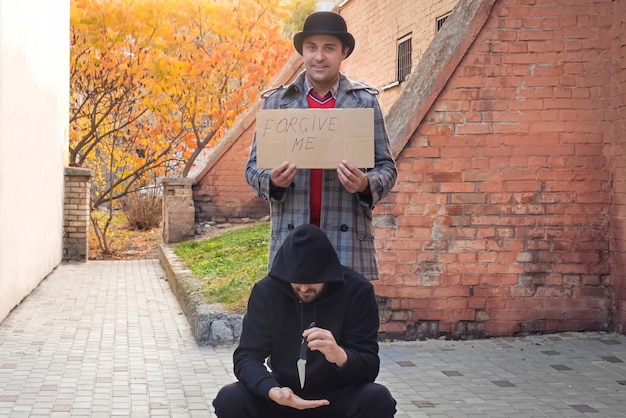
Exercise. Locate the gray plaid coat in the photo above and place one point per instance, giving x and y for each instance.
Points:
(346, 218)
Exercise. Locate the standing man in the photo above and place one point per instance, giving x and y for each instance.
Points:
(316, 323)
(339, 201)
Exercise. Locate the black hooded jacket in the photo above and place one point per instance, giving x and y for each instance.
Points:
(276, 318)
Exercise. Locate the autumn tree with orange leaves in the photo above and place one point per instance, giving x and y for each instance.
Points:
(153, 83)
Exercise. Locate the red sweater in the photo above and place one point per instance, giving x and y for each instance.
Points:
(315, 200)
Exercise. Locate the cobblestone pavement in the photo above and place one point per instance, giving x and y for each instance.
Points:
(108, 339)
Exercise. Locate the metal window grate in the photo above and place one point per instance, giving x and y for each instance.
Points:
(405, 50)
(441, 20)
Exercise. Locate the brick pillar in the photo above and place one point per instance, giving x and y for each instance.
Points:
(76, 214)
(178, 209)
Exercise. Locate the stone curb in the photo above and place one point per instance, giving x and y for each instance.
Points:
(210, 324)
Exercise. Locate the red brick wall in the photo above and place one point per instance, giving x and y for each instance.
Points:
(618, 162)
(223, 194)
(504, 191)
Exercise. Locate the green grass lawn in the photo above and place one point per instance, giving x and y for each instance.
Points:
(228, 264)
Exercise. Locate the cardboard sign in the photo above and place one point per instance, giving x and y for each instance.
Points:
(315, 138)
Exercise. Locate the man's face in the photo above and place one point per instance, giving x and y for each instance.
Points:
(307, 292)
(322, 56)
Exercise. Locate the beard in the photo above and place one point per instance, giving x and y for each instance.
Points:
(309, 295)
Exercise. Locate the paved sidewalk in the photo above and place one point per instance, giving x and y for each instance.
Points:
(108, 339)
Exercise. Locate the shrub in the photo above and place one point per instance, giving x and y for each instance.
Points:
(142, 210)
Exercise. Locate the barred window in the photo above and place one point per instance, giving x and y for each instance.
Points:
(405, 50)
(441, 20)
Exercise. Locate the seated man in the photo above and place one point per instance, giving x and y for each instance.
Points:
(316, 323)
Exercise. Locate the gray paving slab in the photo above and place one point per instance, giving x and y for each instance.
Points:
(108, 339)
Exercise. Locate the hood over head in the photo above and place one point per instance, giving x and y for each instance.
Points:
(307, 256)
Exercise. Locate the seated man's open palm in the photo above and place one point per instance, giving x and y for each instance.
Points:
(285, 396)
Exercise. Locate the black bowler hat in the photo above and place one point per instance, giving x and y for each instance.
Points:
(325, 23)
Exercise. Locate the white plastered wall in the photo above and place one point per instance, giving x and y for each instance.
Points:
(34, 109)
